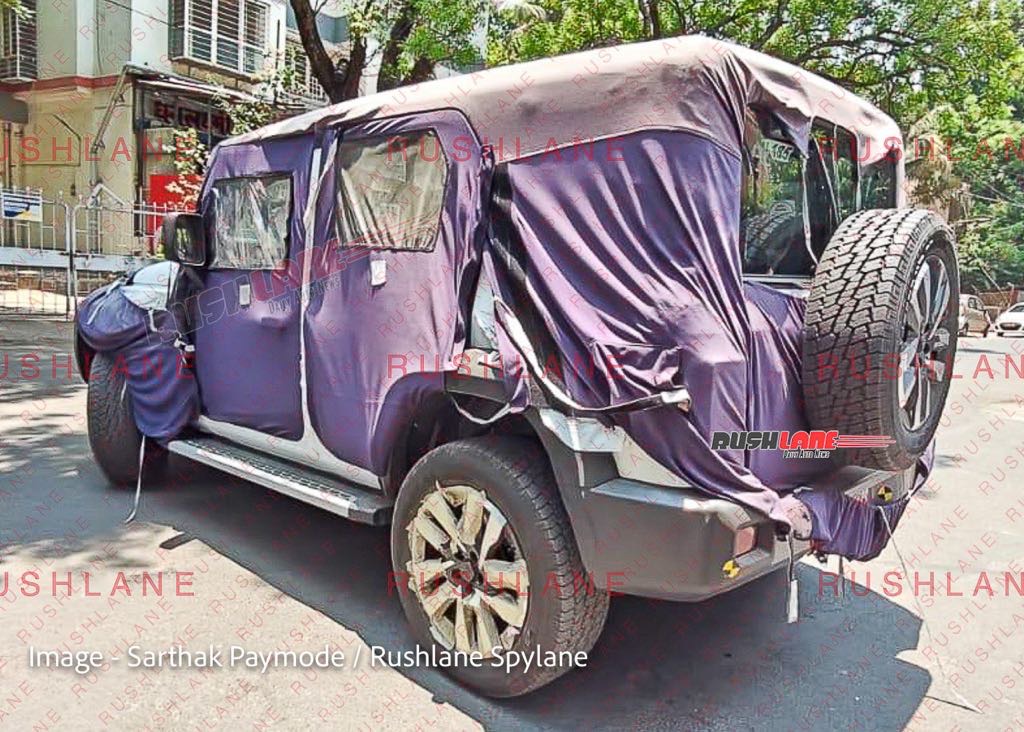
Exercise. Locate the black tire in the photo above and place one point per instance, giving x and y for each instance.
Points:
(113, 436)
(857, 318)
(768, 236)
(515, 475)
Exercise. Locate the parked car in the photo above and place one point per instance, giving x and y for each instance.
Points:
(973, 316)
(1011, 321)
(552, 322)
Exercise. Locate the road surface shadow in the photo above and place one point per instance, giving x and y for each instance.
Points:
(728, 663)
(731, 662)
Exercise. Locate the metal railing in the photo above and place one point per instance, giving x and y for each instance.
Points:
(33, 253)
(55, 252)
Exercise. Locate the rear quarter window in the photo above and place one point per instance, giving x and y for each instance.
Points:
(391, 191)
(772, 220)
(879, 184)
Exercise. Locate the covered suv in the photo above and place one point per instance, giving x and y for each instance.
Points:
(649, 319)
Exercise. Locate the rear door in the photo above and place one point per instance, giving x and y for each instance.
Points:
(396, 252)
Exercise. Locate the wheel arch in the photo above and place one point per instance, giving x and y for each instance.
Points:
(84, 355)
(437, 421)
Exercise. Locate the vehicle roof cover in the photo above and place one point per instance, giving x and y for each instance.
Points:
(687, 82)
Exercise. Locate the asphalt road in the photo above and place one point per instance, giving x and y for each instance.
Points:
(271, 573)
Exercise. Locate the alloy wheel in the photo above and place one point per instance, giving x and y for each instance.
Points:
(467, 570)
(925, 344)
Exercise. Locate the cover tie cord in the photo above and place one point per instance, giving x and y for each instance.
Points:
(793, 599)
(138, 483)
(520, 341)
(927, 628)
(180, 342)
(505, 409)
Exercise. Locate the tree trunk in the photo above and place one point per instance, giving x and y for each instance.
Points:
(353, 70)
(651, 17)
(338, 85)
(421, 71)
(402, 26)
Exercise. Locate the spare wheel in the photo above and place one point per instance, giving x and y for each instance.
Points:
(880, 333)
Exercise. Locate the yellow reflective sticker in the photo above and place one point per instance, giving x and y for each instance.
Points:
(730, 569)
(885, 493)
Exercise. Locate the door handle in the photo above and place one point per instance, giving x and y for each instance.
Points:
(269, 321)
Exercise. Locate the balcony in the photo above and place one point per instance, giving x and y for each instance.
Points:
(18, 44)
(229, 35)
(300, 85)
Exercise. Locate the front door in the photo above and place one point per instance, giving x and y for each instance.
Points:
(247, 334)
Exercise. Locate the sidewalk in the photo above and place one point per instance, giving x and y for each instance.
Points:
(28, 331)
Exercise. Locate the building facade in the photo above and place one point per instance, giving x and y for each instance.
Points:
(92, 90)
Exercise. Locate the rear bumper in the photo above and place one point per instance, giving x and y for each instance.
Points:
(673, 544)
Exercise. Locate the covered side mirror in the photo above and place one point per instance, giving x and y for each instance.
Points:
(184, 238)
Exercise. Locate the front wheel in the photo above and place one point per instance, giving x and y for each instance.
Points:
(486, 563)
(113, 435)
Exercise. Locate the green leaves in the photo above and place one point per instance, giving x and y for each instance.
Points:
(906, 55)
(949, 71)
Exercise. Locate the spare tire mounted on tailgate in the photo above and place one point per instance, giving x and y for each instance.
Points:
(880, 333)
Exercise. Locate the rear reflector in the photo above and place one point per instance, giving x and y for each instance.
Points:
(744, 540)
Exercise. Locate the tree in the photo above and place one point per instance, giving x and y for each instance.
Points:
(190, 156)
(948, 71)
(906, 55)
(15, 5)
(408, 37)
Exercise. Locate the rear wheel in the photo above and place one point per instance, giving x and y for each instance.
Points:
(881, 333)
(488, 563)
(113, 436)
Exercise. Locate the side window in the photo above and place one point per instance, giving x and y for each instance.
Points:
(251, 218)
(772, 227)
(839, 150)
(391, 191)
(879, 187)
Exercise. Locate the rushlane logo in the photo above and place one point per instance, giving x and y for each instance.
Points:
(800, 444)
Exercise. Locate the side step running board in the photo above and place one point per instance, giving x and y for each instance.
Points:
(324, 491)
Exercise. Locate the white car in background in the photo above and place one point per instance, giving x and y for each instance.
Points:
(1011, 321)
(973, 316)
